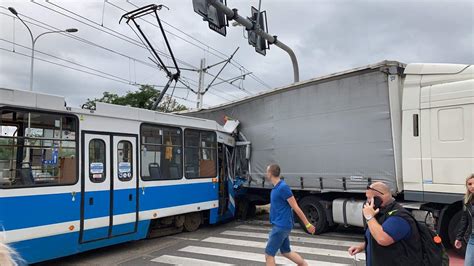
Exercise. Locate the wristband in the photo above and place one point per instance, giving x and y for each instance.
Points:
(308, 226)
(368, 219)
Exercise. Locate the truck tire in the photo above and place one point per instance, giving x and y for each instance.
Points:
(452, 232)
(192, 221)
(315, 213)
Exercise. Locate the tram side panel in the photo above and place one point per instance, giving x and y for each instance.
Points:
(39, 178)
(66, 190)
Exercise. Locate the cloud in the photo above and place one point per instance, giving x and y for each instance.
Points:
(327, 36)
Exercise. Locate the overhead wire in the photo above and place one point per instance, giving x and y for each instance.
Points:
(214, 76)
(69, 67)
(124, 36)
(100, 28)
(72, 36)
(221, 56)
(138, 43)
(68, 61)
(218, 90)
(240, 67)
(111, 78)
(50, 27)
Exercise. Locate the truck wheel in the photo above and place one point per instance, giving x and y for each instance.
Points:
(192, 221)
(453, 230)
(315, 213)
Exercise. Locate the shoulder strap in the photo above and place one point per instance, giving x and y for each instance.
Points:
(414, 219)
(418, 227)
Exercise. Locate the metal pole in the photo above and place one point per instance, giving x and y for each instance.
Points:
(163, 92)
(200, 92)
(233, 15)
(32, 47)
(27, 155)
(33, 43)
(32, 63)
(220, 71)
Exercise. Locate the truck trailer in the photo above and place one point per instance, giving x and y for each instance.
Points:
(409, 126)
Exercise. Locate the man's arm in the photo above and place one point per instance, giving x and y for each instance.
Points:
(356, 249)
(294, 205)
(376, 230)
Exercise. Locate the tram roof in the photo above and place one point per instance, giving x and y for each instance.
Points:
(53, 103)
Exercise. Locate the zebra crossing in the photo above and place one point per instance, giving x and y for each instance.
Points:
(244, 243)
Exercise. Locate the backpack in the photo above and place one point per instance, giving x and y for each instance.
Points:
(433, 253)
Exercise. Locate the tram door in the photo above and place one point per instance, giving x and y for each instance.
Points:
(226, 177)
(109, 186)
(125, 185)
(96, 179)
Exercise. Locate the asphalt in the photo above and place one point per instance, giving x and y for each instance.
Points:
(233, 243)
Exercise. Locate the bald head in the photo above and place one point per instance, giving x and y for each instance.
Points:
(381, 190)
(382, 187)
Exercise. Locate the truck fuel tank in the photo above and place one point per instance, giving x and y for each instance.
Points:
(348, 212)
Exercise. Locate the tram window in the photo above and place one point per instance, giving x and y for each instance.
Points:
(125, 163)
(97, 169)
(161, 152)
(200, 154)
(37, 149)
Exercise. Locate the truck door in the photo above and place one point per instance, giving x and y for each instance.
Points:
(447, 136)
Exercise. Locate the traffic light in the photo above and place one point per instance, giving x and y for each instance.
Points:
(217, 19)
(260, 44)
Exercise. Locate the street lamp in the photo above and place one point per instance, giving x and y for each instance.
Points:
(33, 41)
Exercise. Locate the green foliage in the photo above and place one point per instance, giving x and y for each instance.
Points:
(6, 149)
(143, 98)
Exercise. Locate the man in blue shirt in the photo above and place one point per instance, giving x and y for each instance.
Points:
(391, 235)
(282, 205)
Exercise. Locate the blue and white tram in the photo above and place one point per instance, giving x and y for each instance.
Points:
(73, 180)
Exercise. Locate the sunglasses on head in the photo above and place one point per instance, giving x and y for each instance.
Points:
(376, 190)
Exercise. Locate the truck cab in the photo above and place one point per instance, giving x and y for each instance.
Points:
(438, 139)
(437, 131)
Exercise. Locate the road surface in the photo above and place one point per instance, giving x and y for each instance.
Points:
(234, 243)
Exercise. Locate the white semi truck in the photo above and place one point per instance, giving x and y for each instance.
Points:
(410, 126)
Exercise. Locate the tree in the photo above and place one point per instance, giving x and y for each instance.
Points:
(143, 98)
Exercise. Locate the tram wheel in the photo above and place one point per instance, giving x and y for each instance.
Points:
(192, 221)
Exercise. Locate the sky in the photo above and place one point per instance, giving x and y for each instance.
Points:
(327, 36)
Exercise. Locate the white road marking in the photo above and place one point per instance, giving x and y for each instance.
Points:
(313, 240)
(187, 261)
(299, 249)
(247, 255)
(300, 231)
(184, 238)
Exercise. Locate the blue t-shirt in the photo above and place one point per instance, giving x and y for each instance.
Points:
(281, 214)
(396, 227)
